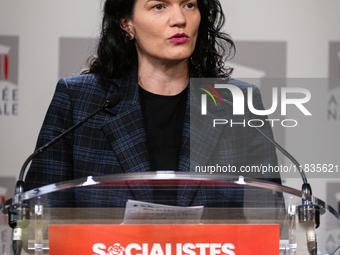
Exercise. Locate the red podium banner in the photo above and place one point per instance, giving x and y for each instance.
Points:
(164, 239)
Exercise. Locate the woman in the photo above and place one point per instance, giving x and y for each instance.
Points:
(147, 52)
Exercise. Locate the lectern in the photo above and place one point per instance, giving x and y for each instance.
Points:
(204, 215)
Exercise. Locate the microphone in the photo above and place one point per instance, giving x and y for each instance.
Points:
(110, 102)
(18, 210)
(307, 212)
(311, 242)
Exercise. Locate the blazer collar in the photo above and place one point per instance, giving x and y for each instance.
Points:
(127, 88)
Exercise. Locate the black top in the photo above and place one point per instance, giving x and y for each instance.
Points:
(163, 120)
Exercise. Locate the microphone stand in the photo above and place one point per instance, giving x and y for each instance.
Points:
(307, 212)
(18, 213)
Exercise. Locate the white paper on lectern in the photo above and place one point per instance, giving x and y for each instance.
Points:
(137, 210)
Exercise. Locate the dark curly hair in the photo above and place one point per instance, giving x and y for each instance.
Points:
(116, 53)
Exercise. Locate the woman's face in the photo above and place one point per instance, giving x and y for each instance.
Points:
(164, 29)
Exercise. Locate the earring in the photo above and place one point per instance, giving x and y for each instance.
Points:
(129, 37)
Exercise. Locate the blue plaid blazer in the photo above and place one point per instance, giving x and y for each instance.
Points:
(114, 141)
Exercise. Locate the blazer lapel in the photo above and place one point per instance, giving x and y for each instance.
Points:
(124, 129)
(126, 135)
(199, 142)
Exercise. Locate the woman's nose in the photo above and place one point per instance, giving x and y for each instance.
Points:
(177, 17)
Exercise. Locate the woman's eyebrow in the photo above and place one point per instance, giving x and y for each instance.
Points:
(155, 1)
(162, 1)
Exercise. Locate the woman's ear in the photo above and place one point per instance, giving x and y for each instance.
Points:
(126, 25)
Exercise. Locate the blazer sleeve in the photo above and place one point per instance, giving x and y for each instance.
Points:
(54, 164)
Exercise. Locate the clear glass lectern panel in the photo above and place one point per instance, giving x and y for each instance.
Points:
(131, 198)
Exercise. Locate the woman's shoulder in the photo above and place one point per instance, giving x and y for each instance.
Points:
(83, 81)
(84, 90)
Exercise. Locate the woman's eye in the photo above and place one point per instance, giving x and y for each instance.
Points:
(158, 7)
(190, 5)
